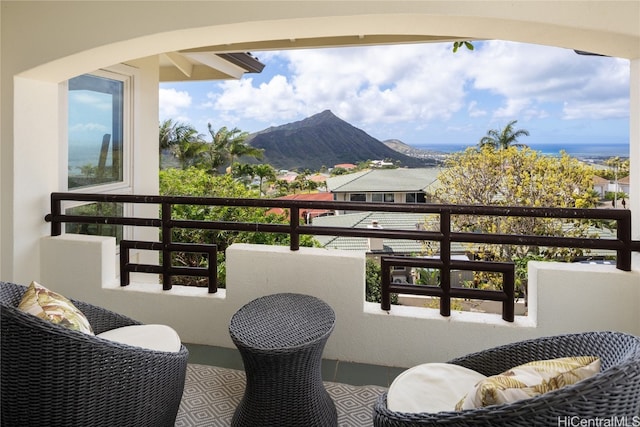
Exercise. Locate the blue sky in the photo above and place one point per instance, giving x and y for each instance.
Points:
(422, 94)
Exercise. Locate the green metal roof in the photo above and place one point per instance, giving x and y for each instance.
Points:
(388, 220)
(384, 180)
(410, 221)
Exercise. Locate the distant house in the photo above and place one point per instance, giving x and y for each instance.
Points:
(287, 176)
(380, 163)
(320, 179)
(402, 221)
(306, 215)
(385, 185)
(386, 220)
(347, 166)
(375, 247)
(623, 185)
(600, 185)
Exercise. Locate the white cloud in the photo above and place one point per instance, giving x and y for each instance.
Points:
(423, 87)
(268, 101)
(383, 84)
(90, 100)
(88, 127)
(474, 111)
(174, 104)
(528, 76)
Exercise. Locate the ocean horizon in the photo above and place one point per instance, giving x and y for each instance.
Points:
(575, 150)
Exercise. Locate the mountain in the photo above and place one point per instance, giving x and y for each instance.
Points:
(323, 140)
(396, 144)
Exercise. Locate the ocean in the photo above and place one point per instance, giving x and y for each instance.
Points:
(575, 150)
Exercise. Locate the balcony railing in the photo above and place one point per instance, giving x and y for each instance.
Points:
(622, 244)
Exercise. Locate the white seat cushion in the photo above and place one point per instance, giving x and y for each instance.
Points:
(152, 337)
(431, 387)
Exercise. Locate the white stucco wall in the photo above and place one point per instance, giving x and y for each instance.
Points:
(563, 298)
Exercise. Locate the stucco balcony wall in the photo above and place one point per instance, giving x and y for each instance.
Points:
(562, 298)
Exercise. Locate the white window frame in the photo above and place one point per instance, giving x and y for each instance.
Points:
(128, 75)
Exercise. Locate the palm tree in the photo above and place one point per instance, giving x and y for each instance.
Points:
(189, 151)
(282, 186)
(182, 140)
(227, 145)
(505, 138)
(264, 171)
(244, 172)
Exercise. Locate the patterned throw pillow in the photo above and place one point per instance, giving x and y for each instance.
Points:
(529, 380)
(51, 306)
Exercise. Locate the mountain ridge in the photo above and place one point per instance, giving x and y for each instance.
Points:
(323, 140)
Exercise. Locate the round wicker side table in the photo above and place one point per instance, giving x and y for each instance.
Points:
(281, 338)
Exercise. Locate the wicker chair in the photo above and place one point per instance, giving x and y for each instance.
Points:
(53, 376)
(614, 392)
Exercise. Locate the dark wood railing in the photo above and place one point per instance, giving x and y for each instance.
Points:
(623, 244)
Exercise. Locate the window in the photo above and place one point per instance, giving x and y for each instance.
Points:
(98, 129)
(415, 198)
(357, 197)
(383, 197)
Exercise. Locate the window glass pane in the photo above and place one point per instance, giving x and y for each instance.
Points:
(96, 209)
(358, 197)
(410, 197)
(95, 131)
(421, 198)
(389, 197)
(376, 197)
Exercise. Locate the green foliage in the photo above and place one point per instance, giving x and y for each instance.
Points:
(458, 45)
(197, 182)
(521, 272)
(339, 171)
(611, 195)
(182, 141)
(517, 177)
(500, 139)
(617, 169)
(427, 276)
(266, 173)
(97, 209)
(373, 280)
(226, 146)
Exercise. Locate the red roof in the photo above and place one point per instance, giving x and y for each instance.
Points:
(323, 196)
(317, 178)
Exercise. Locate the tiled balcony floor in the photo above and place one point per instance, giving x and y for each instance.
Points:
(332, 370)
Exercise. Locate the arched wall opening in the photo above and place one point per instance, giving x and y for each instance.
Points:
(31, 148)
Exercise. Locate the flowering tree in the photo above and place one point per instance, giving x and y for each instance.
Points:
(517, 177)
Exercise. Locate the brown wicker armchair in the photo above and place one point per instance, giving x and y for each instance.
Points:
(53, 376)
(614, 392)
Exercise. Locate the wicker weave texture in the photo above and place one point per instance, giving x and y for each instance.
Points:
(281, 338)
(614, 393)
(53, 376)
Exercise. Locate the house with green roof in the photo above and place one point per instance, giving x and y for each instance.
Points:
(405, 221)
(375, 247)
(385, 185)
